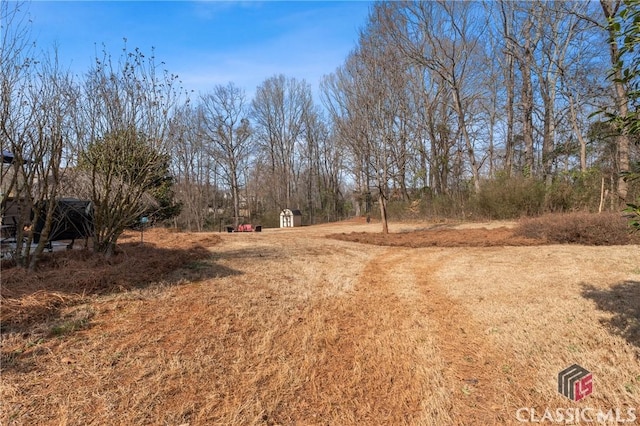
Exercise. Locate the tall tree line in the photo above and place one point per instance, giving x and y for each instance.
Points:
(244, 161)
(435, 100)
(497, 87)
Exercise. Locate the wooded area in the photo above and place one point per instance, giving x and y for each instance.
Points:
(467, 109)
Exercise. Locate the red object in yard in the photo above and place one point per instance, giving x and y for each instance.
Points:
(245, 228)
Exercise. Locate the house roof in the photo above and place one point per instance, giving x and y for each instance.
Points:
(7, 157)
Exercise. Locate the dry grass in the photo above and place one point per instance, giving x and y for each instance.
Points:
(69, 277)
(288, 327)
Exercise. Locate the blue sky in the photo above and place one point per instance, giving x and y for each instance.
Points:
(207, 43)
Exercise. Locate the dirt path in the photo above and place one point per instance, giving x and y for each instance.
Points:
(381, 366)
(454, 377)
(480, 390)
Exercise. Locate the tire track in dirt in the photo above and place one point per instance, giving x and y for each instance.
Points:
(376, 361)
(480, 391)
(483, 391)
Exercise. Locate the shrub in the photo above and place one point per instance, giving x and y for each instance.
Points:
(509, 198)
(579, 228)
(403, 210)
(574, 191)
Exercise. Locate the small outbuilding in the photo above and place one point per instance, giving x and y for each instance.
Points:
(290, 218)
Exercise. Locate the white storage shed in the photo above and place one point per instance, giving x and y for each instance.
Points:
(290, 218)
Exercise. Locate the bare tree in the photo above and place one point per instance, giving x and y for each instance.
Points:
(445, 39)
(193, 168)
(555, 30)
(526, 97)
(16, 57)
(39, 101)
(331, 166)
(580, 86)
(321, 167)
(365, 108)
(279, 109)
(339, 98)
(506, 19)
(226, 131)
(53, 100)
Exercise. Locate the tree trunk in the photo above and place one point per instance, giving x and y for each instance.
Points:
(236, 201)
(610, 8)
(383, 211)
(579, 136)
(508, 161)
(510, 93)
(547, 139)
(467, 140)
(527, 109)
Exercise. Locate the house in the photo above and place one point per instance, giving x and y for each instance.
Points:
(290, 218)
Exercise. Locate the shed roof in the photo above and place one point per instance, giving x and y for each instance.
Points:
(293, 212)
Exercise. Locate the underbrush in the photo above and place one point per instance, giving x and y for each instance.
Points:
(579, 228)
(66, 278)
(509, 198)
(513, 197)
(589, 229)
